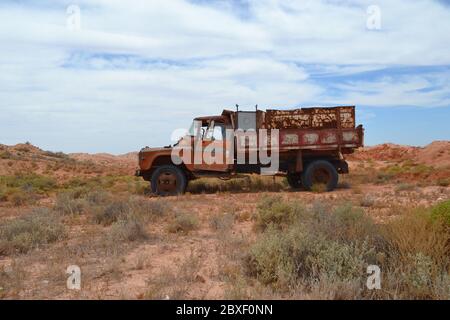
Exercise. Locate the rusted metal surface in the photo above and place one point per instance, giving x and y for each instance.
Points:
(320, 138)
(310, 118)
(167, 182)
(208, 119)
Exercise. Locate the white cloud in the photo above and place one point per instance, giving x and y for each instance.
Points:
(429, 90)
(155, 64)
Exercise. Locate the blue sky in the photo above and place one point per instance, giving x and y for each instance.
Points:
(134, 71)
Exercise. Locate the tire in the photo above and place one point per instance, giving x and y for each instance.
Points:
(294, 180)
(320, 172)
(168, 180)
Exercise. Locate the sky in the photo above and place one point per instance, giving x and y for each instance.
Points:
(114, 76)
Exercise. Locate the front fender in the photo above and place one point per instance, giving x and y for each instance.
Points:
(148, 158)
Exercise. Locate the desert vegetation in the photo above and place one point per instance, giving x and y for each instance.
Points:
(246, 238)
(322, 251)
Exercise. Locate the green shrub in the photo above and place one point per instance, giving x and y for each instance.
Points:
(30, 182)
(283, 258)
(5, 155)
(19, 197)
(275, 210)
(441, 211)
(3, 194)
(349, 224)
(414, 232)
(270, 258)
(38, 228)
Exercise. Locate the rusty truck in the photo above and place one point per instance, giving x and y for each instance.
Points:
(311, 145)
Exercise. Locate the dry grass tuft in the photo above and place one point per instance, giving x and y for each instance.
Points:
(175, 284)
(38, 228)
(183, 223)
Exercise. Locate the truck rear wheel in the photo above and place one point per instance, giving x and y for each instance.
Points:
(168, 180)
(294, 180)
(320, 172)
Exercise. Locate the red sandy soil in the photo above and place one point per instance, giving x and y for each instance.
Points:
(28, 158)
(126, 275)
(435, 154)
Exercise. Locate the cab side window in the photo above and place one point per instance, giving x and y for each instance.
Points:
(218, 133)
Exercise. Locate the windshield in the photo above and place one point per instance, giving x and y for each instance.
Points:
(198, 128)
(191, 129)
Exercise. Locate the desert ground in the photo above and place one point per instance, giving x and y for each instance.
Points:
(247, 238)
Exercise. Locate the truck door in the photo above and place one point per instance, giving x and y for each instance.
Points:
(213, 149)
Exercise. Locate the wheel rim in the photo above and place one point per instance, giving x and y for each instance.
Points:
(167, 182)
(321, 176)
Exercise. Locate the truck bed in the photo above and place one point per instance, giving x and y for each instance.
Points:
(315, 128)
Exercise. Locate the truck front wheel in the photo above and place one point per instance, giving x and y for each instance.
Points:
(168, 180)
(320, 172)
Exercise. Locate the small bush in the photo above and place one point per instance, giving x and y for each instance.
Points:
(414, 233)
(349, 224)
(5, 155)
(130, 229)
(98, 197)
(175, 283)
(183, 222)
(328, 250)
(68, 204)
(443, 182)
(112, 213)
(222, 222)
(121, 209)
(283, 258)
(58, 155)
(38, 228)
(441, 211)
(276, 211)
(29, 182)
(149, 209)
(20, 197)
